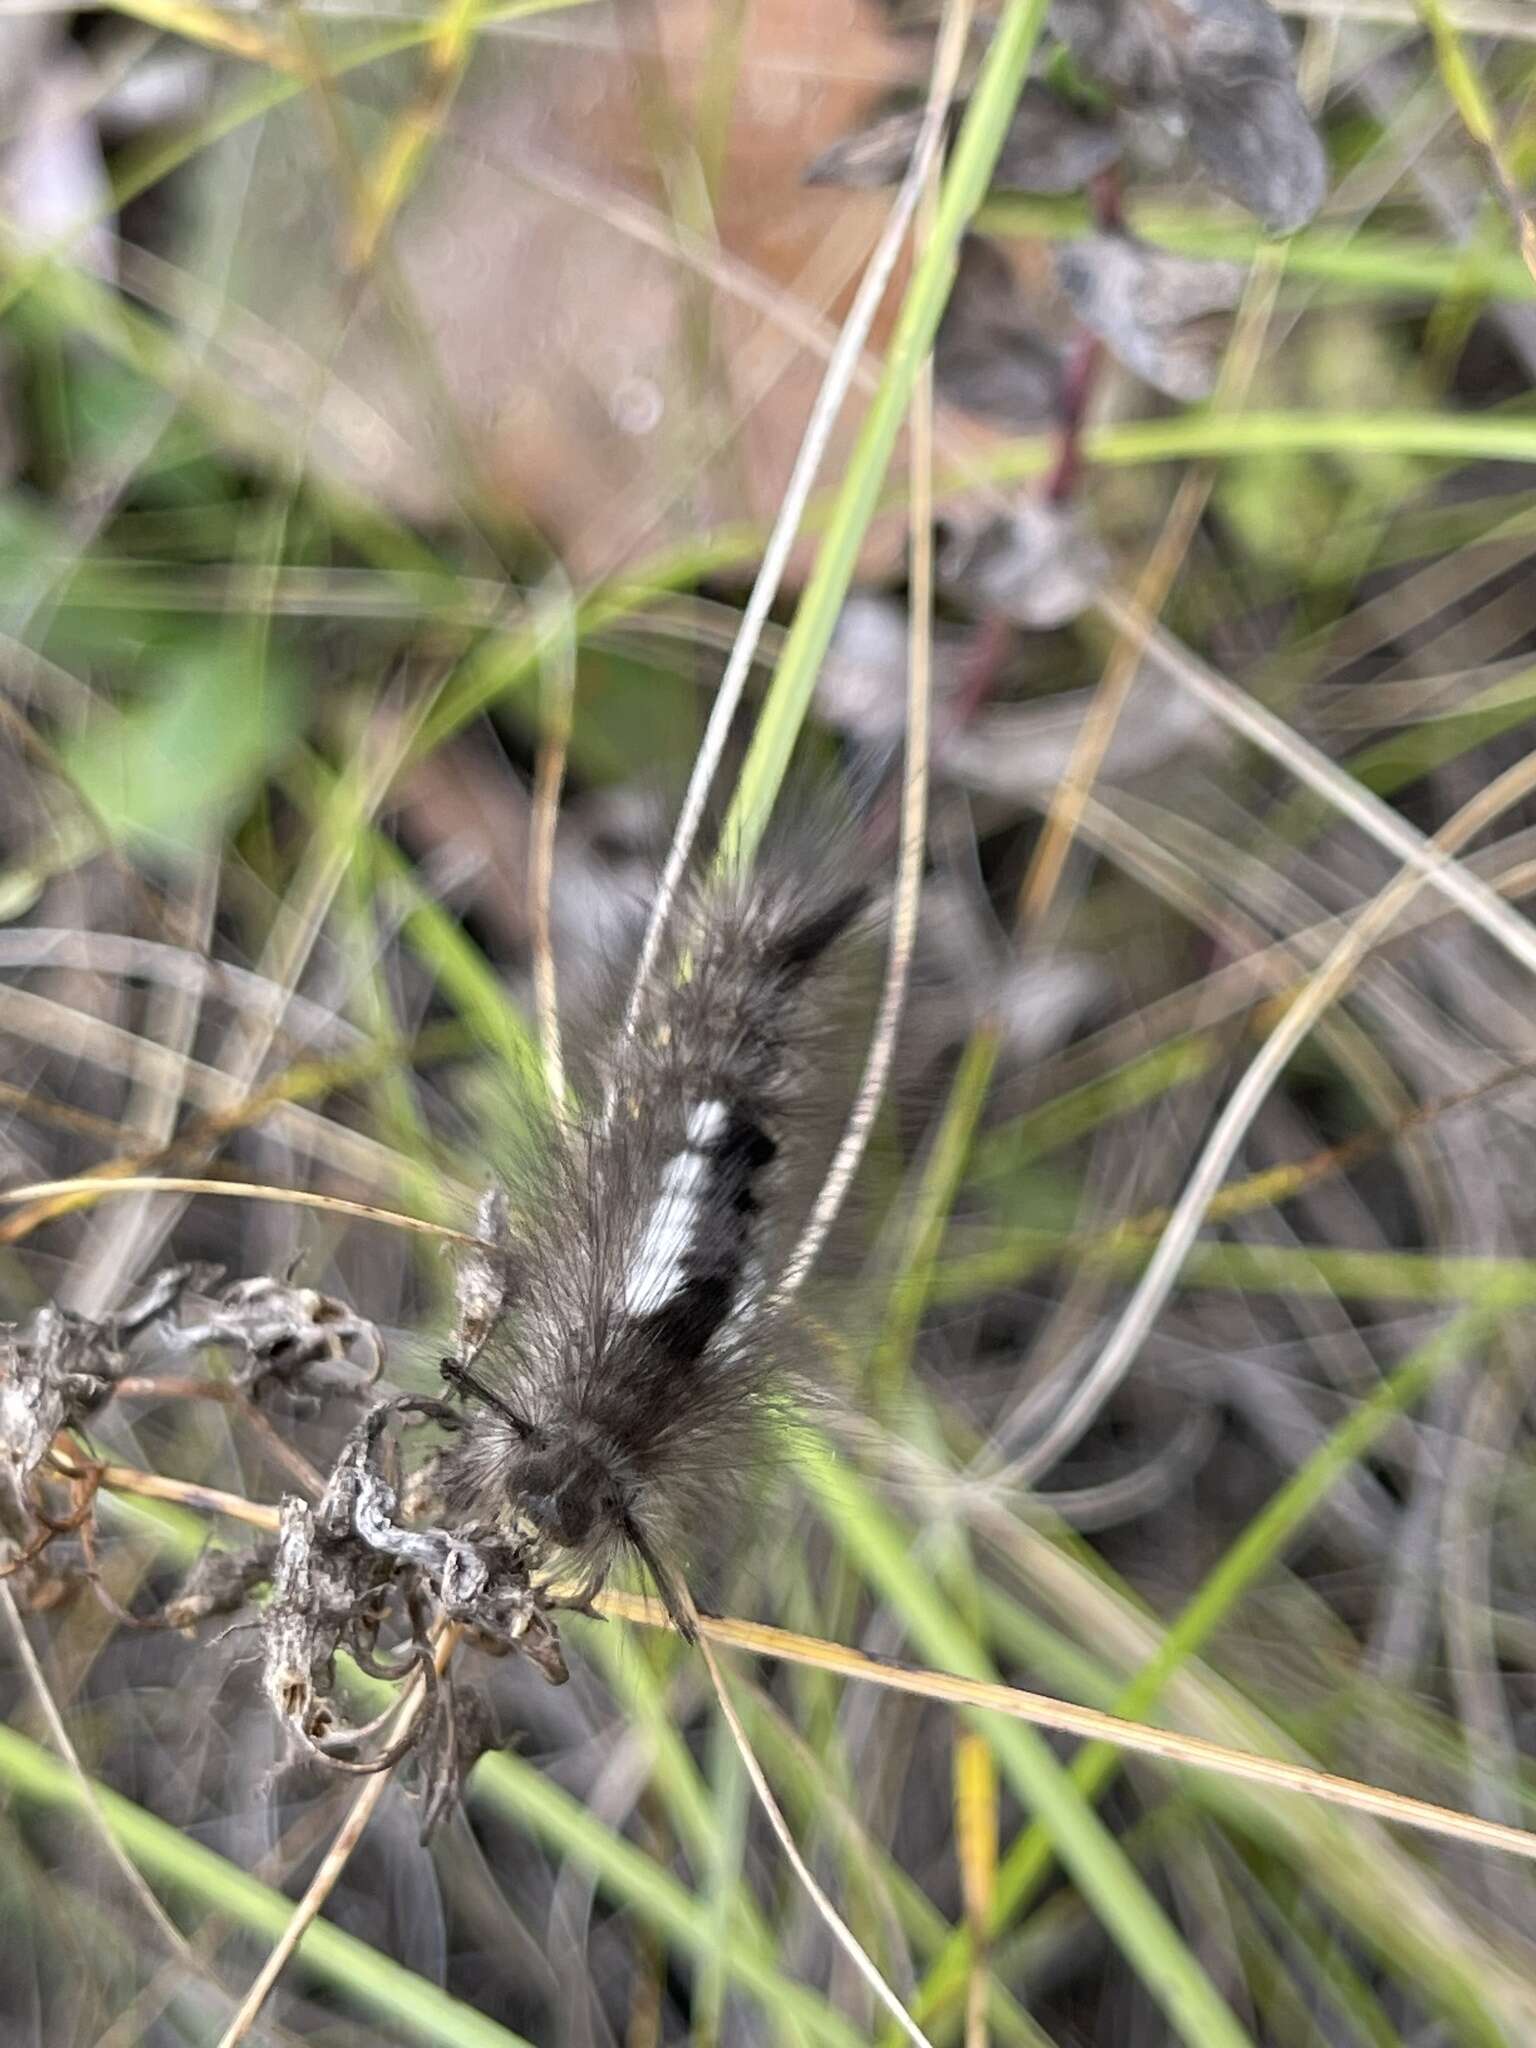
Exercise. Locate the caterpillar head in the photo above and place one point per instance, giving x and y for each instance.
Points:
(563, 1480)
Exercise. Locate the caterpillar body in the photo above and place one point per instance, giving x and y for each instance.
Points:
(635, 1383)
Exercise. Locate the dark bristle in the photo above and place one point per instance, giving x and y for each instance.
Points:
(797, 950)
(470, 1383)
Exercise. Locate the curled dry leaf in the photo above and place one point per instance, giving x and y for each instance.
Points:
(52, 1373)
(1038, 564)
(321, 1587)
(462, 1728)
(58, 1368)
(221, 1582)
(348, 1574)
(1220, 72)
(286, 1333)
(1165, 317)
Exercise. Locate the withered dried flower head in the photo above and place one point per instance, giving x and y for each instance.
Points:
(349, 1576)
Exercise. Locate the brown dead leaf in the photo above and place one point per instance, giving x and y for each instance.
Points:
(604, 386)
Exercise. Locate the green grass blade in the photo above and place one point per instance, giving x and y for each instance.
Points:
(1099, 1866)
(396, 1997)
(965, 184)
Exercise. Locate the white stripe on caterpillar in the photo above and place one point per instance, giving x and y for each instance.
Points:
(658, 1272)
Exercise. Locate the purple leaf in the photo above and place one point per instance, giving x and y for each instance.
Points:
(1220, 72)
(873, 156)
(1052, 147)
(1036, 564)
(988, 356)
(1049, 147)
(1165, 317)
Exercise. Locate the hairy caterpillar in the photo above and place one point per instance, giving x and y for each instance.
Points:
(634, 1381)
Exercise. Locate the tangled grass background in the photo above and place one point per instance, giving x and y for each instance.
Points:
(1097, 436)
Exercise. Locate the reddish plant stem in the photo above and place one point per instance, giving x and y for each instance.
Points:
(1077, 388)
